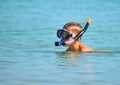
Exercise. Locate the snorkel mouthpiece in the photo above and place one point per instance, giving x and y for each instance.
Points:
(59, 43)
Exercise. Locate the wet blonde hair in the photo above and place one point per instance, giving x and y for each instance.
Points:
(74, 26)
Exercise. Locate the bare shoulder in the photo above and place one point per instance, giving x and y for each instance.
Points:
(85, 48)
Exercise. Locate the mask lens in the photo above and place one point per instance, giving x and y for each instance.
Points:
(59, 33)
(63, 34)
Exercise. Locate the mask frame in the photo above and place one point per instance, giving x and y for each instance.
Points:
(63, 34)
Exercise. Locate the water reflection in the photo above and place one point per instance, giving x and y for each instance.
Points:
(77, 64)
(67, 58)
(73, 58)
(95, 68)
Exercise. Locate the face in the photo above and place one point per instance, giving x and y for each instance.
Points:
(74, 30)
(67, 35)
(69, 38)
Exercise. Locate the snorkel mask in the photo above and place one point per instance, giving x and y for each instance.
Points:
(63, 34)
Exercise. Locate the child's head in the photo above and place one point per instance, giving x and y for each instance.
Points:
(71, 34)
(73, 27)
(68, 33)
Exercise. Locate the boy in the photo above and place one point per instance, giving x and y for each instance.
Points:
(68, 33)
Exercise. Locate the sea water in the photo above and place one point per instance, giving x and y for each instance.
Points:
(28, 32)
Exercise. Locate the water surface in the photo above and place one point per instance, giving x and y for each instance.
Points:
(28, 32)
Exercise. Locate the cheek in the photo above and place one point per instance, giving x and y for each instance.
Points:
(67, 45)
(70, 38)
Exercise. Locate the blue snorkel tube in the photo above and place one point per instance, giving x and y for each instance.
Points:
(59, 43)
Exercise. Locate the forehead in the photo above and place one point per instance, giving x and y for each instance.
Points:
(73, 28)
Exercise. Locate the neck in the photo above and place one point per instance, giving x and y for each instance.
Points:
(76, 46)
